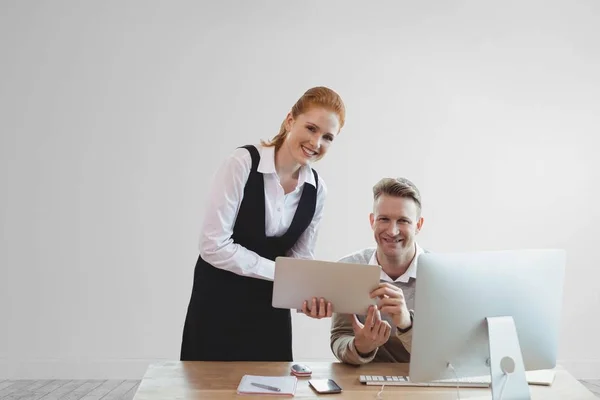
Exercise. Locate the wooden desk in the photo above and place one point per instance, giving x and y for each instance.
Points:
(219, 380)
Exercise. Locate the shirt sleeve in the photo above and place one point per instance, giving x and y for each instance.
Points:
(406, 337)
(305, 245)
(225, 196)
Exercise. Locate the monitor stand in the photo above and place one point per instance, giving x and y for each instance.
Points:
(507, 370)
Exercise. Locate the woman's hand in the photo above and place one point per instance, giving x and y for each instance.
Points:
(319, 309)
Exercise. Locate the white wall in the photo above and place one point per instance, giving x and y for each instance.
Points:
(115, 114)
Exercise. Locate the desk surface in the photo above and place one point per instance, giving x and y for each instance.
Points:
(219, 380)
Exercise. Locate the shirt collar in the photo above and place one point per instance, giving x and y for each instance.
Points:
(411, 271)
(267, 166)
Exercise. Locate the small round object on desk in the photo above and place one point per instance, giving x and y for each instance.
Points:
(301, 370)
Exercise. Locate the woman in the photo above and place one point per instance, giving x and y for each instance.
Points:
(266, 201)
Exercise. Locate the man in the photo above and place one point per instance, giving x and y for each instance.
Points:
(384, 334)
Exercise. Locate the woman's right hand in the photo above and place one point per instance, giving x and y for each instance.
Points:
(318, 309)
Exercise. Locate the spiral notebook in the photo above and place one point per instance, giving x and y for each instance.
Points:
(254, 384)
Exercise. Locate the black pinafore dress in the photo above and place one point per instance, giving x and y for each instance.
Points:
(230, 317)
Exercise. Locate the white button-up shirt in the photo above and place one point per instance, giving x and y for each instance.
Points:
(225, 197)
(411, 271)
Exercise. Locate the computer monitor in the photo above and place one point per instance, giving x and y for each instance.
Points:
(487, 313)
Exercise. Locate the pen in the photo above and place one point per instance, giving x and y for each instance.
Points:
(260, 385)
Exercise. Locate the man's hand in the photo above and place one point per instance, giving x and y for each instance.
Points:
(372, 334)
(392, 303)
(318, 309)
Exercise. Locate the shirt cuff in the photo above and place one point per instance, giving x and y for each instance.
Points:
(265, 269)
(402, 331)
(356, 355)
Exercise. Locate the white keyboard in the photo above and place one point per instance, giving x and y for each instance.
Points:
(543, 377)
(475, 382)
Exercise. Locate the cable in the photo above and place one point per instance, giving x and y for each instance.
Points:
(379, 396)
(507, 375)
(457, 384)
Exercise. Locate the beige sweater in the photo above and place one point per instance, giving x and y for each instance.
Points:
(397, 348)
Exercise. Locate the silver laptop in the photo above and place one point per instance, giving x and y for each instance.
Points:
(346, 286)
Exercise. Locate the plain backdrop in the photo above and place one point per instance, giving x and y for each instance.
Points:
(114, 116)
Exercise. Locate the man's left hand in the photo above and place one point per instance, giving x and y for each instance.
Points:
(391, 302)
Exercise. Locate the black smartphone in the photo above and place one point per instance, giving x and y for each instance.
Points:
(325, 386)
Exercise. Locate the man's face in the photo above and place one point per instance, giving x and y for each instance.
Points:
(396, 221)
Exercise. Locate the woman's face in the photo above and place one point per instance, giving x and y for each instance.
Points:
(310, 134)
